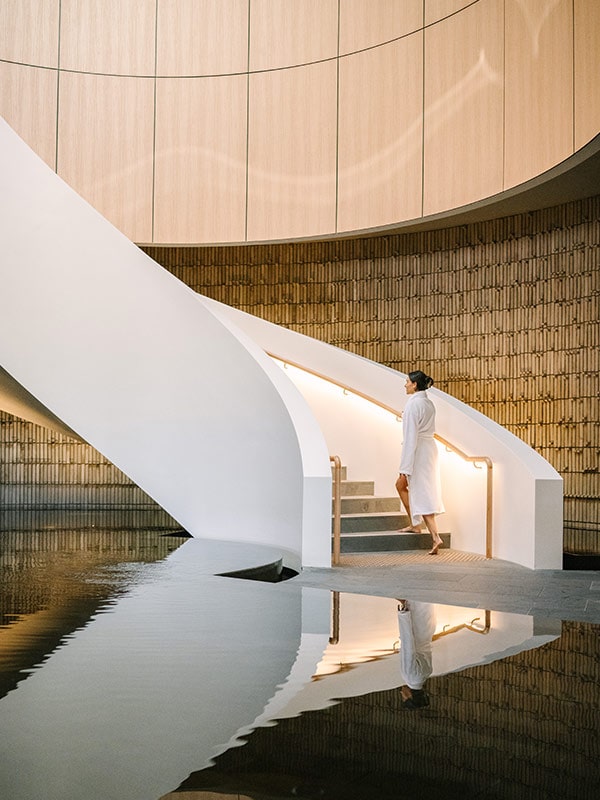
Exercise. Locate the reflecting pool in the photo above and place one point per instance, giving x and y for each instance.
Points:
(130, 669)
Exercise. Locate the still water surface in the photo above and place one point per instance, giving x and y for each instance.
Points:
(129, 669)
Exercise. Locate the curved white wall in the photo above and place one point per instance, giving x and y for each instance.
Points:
(124, 355)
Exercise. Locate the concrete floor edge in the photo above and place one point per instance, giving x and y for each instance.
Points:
(486, 584)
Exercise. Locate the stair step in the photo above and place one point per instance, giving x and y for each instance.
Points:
(371, 524)
(388, 541)
(352, 488)
(378, 521)
(360, 504)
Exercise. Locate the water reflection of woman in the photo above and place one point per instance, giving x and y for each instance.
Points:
(416, 624)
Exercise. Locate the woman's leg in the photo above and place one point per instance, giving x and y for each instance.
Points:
(431, 524)
(402, 489)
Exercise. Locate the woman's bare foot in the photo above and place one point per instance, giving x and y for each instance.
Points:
(410, 529)
(436, 547)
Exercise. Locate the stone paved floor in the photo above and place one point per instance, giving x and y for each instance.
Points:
(465, 580)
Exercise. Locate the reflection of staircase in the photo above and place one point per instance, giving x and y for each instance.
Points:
(371, 524)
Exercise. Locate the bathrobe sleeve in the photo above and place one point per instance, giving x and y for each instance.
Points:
(409, 432)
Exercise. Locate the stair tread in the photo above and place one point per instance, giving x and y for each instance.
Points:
(372, 497)
(391, 533)
(366, 514)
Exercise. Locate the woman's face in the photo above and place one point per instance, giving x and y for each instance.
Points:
(410, 386)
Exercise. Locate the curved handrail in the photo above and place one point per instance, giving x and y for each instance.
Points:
(475, 460)
(470, 626)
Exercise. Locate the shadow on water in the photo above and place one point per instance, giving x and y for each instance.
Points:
(129, 669)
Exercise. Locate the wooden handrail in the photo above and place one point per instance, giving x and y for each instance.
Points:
(335, 618)
(337, 507)
(471, 626)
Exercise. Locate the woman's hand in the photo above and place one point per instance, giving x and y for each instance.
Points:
(402, 482)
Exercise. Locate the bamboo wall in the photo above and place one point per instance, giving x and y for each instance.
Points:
(504, 315)
(43, 474)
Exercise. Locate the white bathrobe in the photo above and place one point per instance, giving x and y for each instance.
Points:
(416, 626)
(419, 459)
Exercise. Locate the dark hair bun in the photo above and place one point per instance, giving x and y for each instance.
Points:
(422, 380)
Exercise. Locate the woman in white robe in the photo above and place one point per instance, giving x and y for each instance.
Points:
(418, 483)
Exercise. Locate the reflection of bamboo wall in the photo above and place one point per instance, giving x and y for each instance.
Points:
(51, 569)
(503, 314)
(521, 728)
(53, 581)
